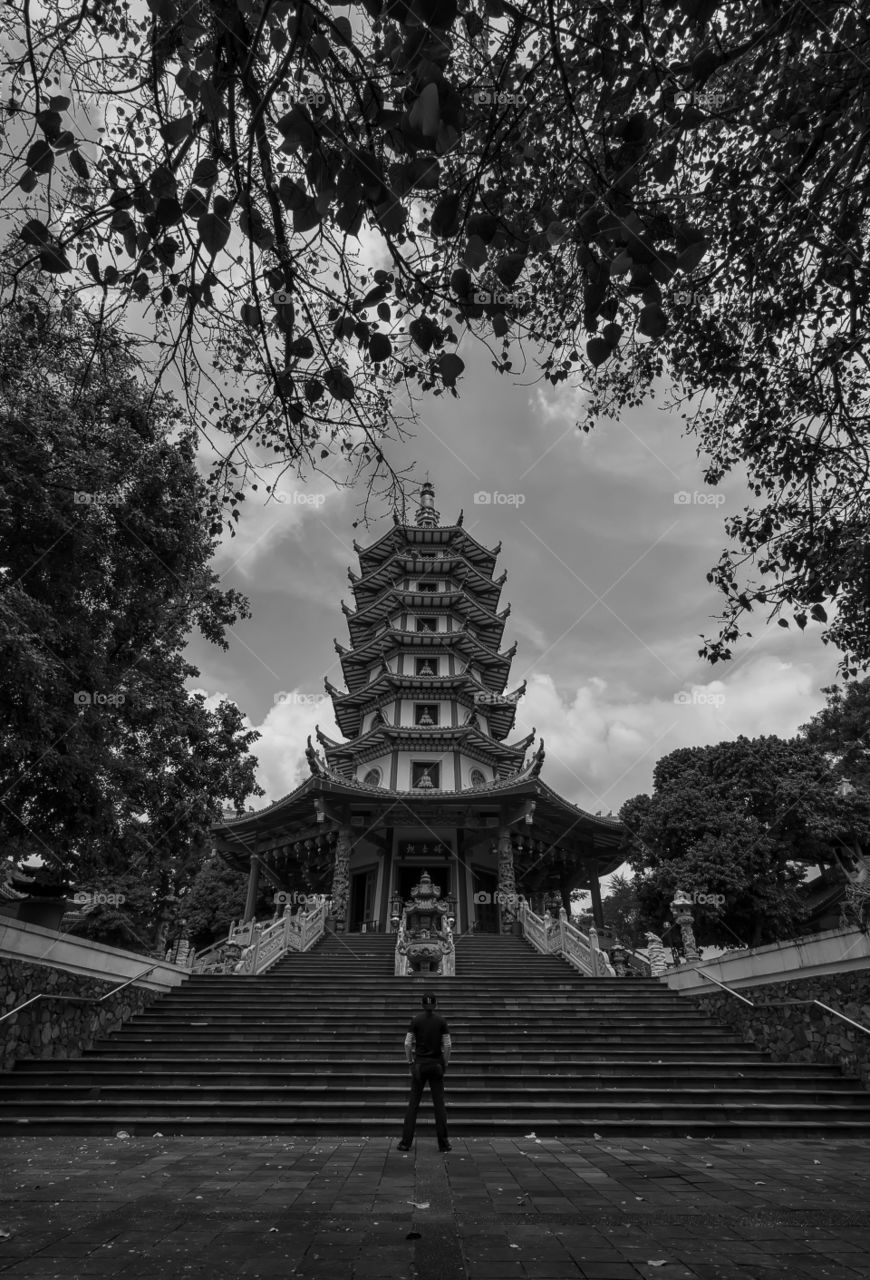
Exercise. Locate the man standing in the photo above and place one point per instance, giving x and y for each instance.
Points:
(427, 1048)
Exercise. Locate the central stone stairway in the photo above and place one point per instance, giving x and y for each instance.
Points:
(315, 1047)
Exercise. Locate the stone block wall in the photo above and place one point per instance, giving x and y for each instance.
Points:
(59, 1028)
(803, 1033)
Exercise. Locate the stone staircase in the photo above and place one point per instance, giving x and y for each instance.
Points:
(314, 1047)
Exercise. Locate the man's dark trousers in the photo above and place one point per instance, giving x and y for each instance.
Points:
(433, 1072)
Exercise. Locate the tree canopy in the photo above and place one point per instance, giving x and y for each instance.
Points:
(842, 731)
(619, 193)
(743, 821)
(109, 766)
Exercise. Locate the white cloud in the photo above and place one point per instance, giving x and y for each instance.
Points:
(602, 744)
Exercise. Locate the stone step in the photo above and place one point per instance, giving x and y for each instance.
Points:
(279, 1073)
(315, 1047)
(492, 1095)
(388, 1053)
(819, 1124)
(465, 1117)
(486, 1019)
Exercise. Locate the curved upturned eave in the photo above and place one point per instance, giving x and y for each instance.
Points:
(439, 535)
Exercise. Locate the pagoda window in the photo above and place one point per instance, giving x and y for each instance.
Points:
(427, 586)
(425, 666)
(426, 713)
(478, 778)
(372, 778)
(427, 624)
(426, 774)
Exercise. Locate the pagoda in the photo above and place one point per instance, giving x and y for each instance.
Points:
(425, 778)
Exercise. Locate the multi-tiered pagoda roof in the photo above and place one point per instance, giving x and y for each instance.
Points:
(426, 711)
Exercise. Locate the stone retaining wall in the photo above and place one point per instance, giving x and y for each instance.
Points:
(59, 1028)
(803, 1033)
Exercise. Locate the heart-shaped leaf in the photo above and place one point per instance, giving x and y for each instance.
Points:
(205, 174)
(175, 131)
(598, 350)
(474, 255)
(40, 157)
(652, 321)
(692, 255)
(54, 260)
(380, 347)
(302, 348)
(451, 367)
(214, 232)
(35, 232)
(445, 216)
(424, 114)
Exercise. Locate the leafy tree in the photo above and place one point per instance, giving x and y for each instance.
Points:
(216, 896)
(742, 820)
(637, 191)
(842, 731)
(622, 912)
(109, 766)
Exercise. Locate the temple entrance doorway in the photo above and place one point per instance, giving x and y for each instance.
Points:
(362, 901)
(484, 889)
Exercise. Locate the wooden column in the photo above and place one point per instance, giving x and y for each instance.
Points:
(253, 886)
(507, 885)
(384, 915)
(341, 879)
(595, 890)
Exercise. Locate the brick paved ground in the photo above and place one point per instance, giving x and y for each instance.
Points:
(491, 1210)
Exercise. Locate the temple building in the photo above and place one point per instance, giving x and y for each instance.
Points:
(425, 778)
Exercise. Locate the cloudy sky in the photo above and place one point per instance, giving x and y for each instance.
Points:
(606, 581)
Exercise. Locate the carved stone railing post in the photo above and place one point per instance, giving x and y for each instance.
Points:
(595, 951)
(341, 879)
(563, 922)
(507, 884)
(681, 910)
(617, 959)
(656, 952)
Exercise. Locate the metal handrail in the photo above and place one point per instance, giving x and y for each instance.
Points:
(781, 1004)
(48, 995)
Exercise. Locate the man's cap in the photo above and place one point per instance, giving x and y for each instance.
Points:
(429, 999)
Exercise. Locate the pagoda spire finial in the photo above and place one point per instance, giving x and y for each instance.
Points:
(427, 517)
